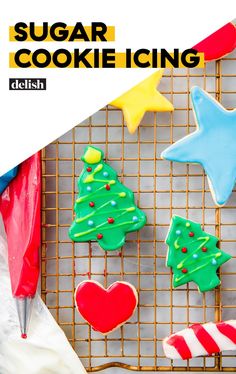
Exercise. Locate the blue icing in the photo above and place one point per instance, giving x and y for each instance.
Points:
(6, 178)
(212, 145)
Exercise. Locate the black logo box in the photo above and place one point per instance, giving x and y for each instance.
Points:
(29, 84)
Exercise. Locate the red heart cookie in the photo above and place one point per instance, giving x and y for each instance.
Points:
(218, 44)
(106, 309)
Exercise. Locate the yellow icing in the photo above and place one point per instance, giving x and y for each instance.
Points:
(98, 168)
(140, 99)
(122, 194)
(89, 178)
(92, 156)
(131, 209)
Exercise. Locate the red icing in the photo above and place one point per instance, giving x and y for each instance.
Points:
(205, 339)
(227, 330)
(204, 249)
(218, 44)
(184, 250)
(108, 187)
(191, 234)
(184, 270)
(110, 220)
(91, 204)
(105, 309)
(20, 208)
(24, 336)
(180, 345)
(89, 169)
(99, 236)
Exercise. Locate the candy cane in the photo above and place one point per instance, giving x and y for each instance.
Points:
(201, 340)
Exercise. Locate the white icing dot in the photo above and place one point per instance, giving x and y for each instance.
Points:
(105, 174)
(89, 188)
(90, 222)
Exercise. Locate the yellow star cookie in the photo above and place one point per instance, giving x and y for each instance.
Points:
(142, 98)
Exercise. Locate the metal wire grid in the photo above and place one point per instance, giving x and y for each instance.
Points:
(161, 189)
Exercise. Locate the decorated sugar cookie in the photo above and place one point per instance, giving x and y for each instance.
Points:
(106, 309)
(140, 99)
(212, 145)
(193, 255)
(105, 209)
(201, 340)
(218, 44)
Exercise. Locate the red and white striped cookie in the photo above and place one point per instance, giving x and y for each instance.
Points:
(201, 340)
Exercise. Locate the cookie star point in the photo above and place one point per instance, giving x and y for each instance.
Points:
(212, 145)
(142, 98)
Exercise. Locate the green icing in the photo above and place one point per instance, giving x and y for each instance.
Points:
(98, 184)
(193, 255)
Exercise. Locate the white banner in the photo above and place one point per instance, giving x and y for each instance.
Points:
(32, 119)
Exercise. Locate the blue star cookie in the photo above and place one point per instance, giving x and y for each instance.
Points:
(212, 145)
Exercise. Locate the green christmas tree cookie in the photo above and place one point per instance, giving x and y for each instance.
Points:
(193, 255)
(105, 209)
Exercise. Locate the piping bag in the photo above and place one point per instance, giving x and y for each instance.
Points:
(20, 206)
(46, 350)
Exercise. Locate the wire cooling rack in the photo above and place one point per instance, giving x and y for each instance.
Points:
(161, 189)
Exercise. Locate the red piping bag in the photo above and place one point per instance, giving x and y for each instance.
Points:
(20, 205)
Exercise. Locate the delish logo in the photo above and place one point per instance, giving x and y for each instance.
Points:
(34, 84)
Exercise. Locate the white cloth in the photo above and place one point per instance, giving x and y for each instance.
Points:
(46, 351)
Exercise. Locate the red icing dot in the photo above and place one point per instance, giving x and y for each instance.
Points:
(91, 204)
(184, 270)
(89, 169)
(204, 249)
(108, 187)
(184, 250)
(99, 236)
(110, 220)
(24, 336)
(191, 234)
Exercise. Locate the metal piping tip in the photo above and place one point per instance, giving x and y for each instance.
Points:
(24, 308)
